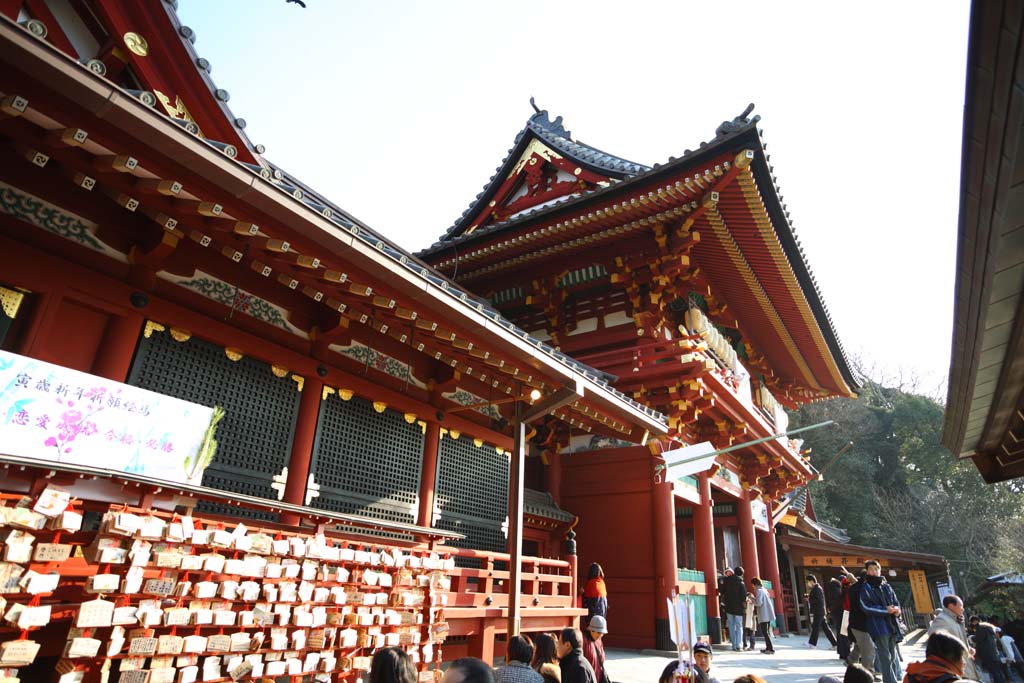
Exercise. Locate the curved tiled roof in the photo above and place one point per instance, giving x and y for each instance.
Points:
(743, 129)
(554, 134)
(542, 504)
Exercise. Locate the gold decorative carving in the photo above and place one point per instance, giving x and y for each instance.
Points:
(152, 327)
(345, 394)
(535, 147)
(300, 381)
(410, 417)
(455, 434)
(279, 370)
(11, 301)
(178, 110)
(234, 355)
(325, 392)
(136, 43)
(478, 442)
(380, 406)
(180, 335)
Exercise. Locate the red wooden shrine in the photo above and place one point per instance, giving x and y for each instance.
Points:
(686, 285)
(143, 238)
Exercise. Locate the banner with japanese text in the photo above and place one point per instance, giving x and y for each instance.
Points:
(48, 412)
(919, 589)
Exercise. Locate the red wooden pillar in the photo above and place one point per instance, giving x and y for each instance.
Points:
(302, 446)
(663, 509)
(481, 645)
(553, 474)
(707, 562)
(748, 542)
(117, 349)
(770, 562)
(428, 474)
(41, 316)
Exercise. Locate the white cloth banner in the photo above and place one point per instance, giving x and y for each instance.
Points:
(759, 512)
(48, 412)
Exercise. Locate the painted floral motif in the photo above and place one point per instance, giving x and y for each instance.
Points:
(468, 398)
(599, 441)
(41, 214)
(378, 361)
(239, 299)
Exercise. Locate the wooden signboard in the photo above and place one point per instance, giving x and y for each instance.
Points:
(851, 562)
(919, 589)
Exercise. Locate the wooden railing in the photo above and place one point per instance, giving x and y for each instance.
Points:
(477, 610)
(545, 582)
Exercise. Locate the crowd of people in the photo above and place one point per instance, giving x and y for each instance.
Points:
(868, 627)
(570, 656)
(860, 616)
(748, 613)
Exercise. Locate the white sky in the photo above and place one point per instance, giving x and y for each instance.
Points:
(401, 111)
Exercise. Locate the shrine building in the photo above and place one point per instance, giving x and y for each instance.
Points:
(634, 309)
(144, 239)
(984, 419)
(686, 285)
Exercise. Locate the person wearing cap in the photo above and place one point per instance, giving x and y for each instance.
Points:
(702, 656)
(593, 648)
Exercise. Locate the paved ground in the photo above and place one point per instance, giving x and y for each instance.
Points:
(793, 662)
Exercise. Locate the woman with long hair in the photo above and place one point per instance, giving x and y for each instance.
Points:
(595, 593)
(392, 665)
(545, 658)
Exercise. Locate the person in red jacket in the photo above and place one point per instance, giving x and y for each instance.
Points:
(595, 594)
(593, 648)
(944, 661)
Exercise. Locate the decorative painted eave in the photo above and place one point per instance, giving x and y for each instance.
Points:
(328, 238)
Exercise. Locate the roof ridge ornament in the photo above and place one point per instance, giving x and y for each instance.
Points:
(737, 123)
(541, 119)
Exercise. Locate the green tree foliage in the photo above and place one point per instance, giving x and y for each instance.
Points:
(899, 487)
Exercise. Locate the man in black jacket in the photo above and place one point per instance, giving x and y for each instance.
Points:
(734, 595)
(834, 597)
(986, 650)
(816, 608)
(575, 667)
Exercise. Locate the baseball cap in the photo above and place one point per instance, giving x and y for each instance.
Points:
(702, 647)
(598, 624)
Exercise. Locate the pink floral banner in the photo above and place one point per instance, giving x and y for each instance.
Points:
(48, 412)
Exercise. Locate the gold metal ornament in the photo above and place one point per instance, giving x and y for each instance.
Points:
(136, 43)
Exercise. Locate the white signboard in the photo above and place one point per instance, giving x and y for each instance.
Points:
(944, 588)
(691, 459)
(48, 412)
(759, 511)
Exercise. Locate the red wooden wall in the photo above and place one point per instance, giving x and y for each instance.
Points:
(611, 491)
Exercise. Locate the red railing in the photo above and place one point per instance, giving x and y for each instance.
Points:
(545, 582)
(477, 611)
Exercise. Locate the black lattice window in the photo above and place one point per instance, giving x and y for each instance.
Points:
(477, 536)
(255, 437)
(367, 463)
(472, 493)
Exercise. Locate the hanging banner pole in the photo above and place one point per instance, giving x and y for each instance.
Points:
(738, 446)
